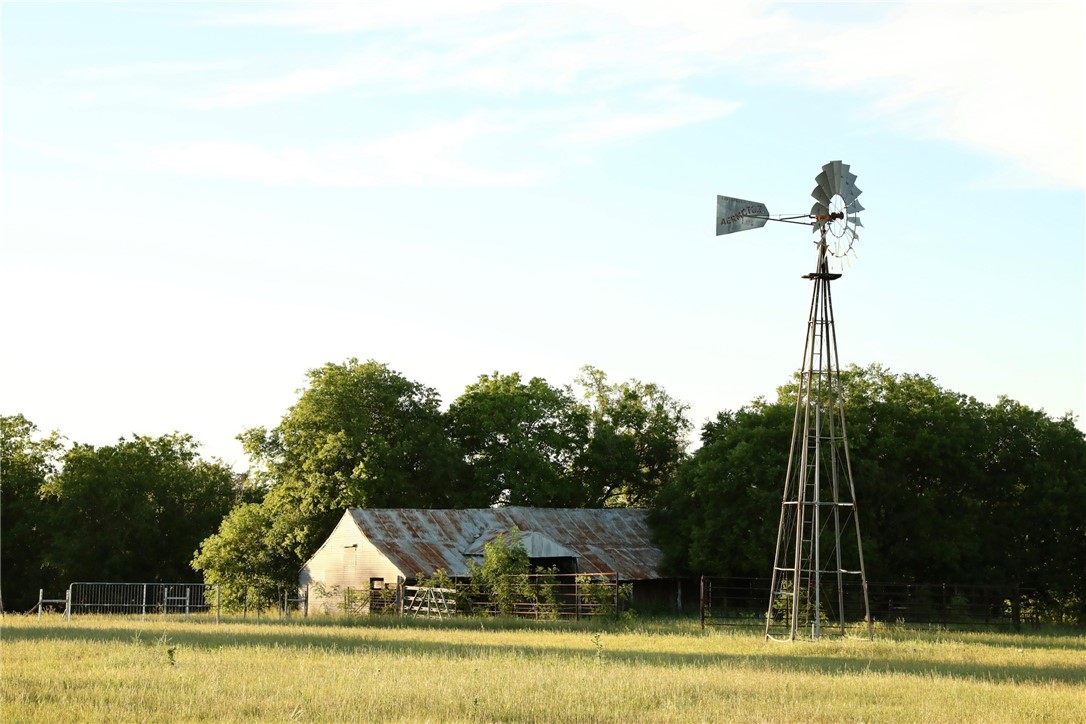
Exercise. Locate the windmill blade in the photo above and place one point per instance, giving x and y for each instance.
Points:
(848, 190)
(855, 220)
(821, 196)
(825, 185)
(739, 215)
(835, 170)
(855, 207)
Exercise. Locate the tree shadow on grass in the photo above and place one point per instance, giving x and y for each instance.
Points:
(368, 641)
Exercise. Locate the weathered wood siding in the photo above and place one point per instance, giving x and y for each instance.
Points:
(346, 560)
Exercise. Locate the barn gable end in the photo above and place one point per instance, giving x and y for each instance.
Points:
(347, 559)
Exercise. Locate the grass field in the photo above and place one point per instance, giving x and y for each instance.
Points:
(115, 669)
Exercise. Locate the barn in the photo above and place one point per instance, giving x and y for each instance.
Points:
(370, 549)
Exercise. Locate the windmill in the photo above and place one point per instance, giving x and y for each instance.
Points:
(818, 562)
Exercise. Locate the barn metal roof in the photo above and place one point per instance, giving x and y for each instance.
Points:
(615, 540)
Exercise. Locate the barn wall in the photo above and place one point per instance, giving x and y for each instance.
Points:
(346, 560)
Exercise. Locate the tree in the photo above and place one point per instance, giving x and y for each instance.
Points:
(719, 514)
(523, 441)
(134, 511)
(27, 462)
(502, 578)
(1034, 472)
(947, 488)
(248, 558)
(638, 439)
(360, 435)
(530, 443)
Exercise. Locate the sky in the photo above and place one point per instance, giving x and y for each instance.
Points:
(202, 201)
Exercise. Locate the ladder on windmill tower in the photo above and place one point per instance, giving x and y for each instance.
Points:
(818, 559)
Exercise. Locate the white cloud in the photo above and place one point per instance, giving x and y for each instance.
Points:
(337, 17)
(429, 157)
(151, 70)
(664, 110)
(1005, 79)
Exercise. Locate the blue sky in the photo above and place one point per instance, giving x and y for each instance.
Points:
(202, 201)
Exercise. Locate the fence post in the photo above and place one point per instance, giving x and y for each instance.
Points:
(576, 598)
(41, 595)
(68, 604)
(701, 600)
(143, 606)
(217, 603)
(399, 594)
(305, 606)
(944, 607)
(1016, 608)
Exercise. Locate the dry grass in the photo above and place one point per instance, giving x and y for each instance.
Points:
(126, 670)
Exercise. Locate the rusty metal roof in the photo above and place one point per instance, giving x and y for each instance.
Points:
(613, 540)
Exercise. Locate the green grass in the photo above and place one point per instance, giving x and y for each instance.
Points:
(98, 668)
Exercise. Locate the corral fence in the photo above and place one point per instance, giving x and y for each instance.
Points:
(744, 602)
(555, 596)
(143, 599)
(552, 596)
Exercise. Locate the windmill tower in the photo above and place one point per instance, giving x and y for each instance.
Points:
(818, 576)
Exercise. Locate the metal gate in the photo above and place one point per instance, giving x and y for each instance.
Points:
(185, 599)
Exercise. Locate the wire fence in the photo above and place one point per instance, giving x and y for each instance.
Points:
(745, 602)
(143, 599)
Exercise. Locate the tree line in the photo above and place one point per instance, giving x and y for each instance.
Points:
(359, 435)
(948, 488)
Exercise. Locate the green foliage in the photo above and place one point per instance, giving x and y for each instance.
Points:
(27, 462)
(360, 435)
(719, 514)
(601, 595)
(638, 439)
(948, 488)
(246, 558)
(523, 441)
(133, 511)
(503, 576)
(545, 590)
(530, 443)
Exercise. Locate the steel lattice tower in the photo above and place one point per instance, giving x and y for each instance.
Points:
(818, 562)
(819, 555)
